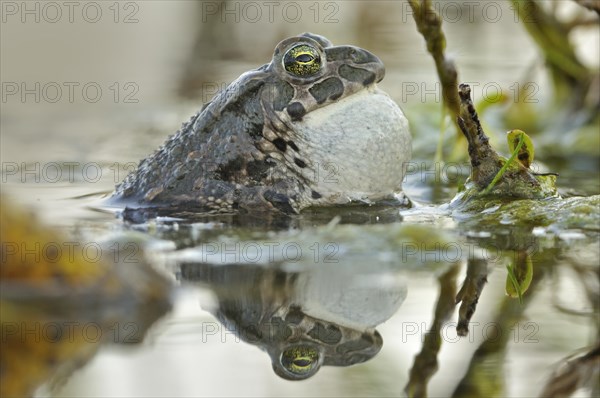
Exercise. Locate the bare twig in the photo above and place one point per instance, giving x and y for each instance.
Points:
(485, 161)
(429, 25)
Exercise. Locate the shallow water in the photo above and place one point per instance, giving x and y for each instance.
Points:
(371, 268)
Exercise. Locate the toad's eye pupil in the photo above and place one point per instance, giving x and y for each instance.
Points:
(302, 363)
(304, 58)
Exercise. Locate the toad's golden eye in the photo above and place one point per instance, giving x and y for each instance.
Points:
(302, 60)
(300, 360)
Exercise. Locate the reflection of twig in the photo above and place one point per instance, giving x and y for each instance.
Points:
(485, 375)
(581, 22)
(574, 374)
(586, 277)
(569, 311)
(469, 293)
(593, 5)
(425, 364)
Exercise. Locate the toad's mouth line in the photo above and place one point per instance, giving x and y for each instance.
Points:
(321, 114)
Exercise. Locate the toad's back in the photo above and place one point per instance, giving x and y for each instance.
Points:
(309, 128)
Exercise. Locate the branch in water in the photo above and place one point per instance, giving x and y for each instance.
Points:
(485, 162)
(516, 181)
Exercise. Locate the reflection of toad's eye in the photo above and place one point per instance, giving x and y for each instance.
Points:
(300, 360)
(302, 60)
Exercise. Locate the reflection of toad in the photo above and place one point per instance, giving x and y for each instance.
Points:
(305, 318)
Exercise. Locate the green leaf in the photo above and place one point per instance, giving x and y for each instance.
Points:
(519, 276)
(512, 286)
(526, 152)
(505, 166)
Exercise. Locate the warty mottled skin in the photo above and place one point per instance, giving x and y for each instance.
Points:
(309, 128)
